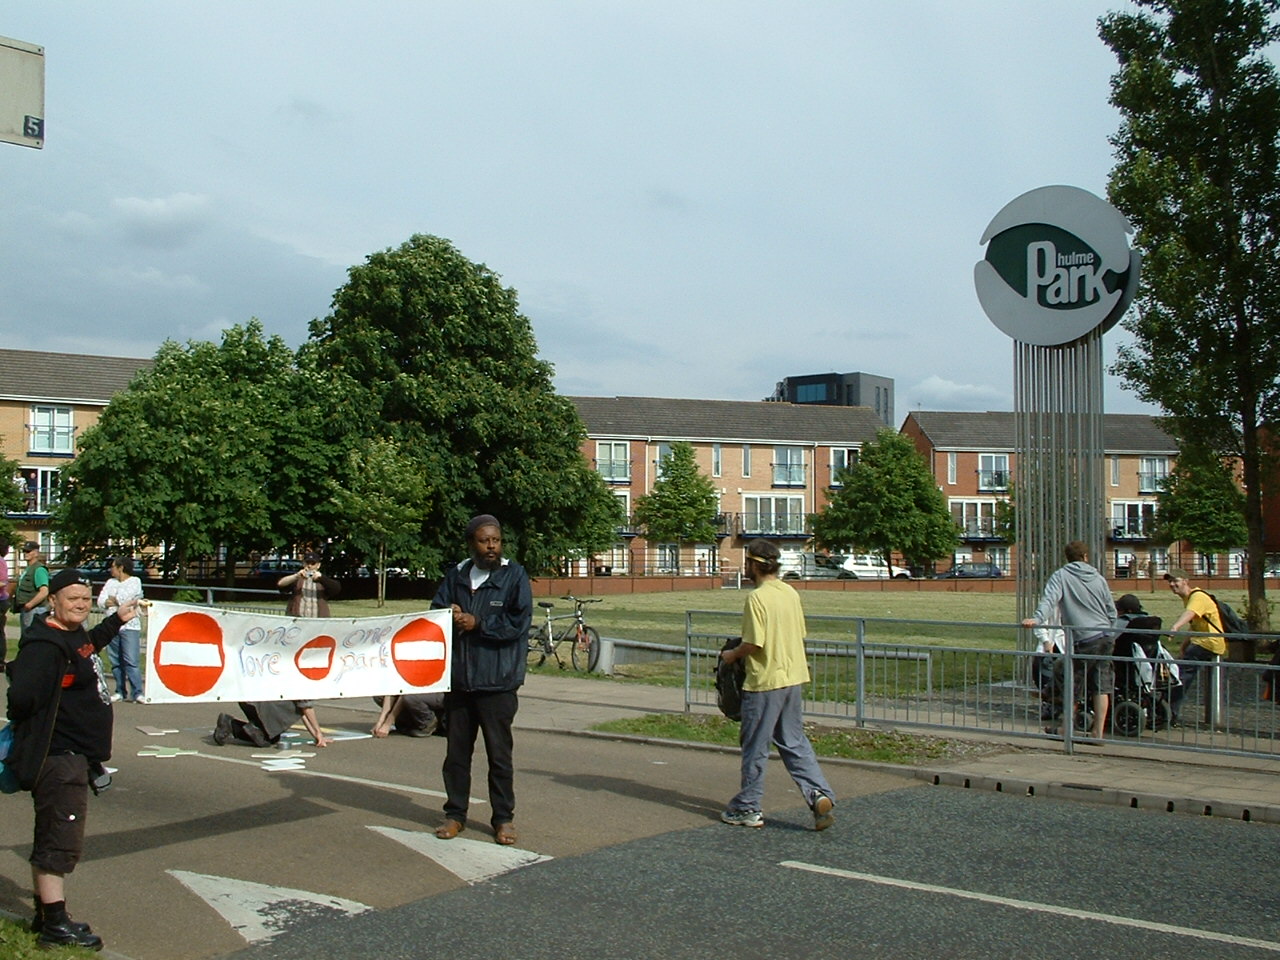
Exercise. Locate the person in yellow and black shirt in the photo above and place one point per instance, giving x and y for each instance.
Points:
(1200, 615)
(772, 648)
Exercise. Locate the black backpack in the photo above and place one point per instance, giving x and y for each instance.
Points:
(1231, 622)
(729, 680)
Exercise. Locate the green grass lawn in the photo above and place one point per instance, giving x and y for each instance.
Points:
(660, 617)
(885, 746)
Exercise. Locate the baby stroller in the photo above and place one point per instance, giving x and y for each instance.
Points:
(1146, 676)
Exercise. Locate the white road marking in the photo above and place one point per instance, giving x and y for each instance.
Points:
(1038, 907)
(402, 787)
(469, 860)
(259, 912)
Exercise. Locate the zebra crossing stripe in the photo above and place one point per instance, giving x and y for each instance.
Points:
(259, 912)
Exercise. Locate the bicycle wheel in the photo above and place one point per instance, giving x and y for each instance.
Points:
(586, 650)
(538, 646)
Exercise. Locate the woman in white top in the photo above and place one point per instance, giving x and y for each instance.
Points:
(125, 649)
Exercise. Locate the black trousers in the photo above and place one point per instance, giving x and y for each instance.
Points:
(489, 714)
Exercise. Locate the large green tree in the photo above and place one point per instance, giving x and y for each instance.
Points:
(215, 445)
(1201, 504)
(887, 502)
(1198, 174)
(682, 506)
(382, 498)
(431, 351)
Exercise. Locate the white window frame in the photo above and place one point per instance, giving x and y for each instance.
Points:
(1151, 473)
(788, 466)
(1134, 518)
(769, 520)
(746, 460)
(607, 453)
(976, 518)
(717, 458)
(664, 452)
(842, 458)
(952, 459)
(52, 429)
(1115, 471)
(991, 474)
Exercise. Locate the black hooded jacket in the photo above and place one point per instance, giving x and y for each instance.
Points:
(58, 697)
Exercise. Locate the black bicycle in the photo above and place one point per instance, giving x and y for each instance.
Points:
(584, 641)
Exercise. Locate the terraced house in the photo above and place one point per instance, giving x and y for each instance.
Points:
(47, 400)
(972, 457)
(771, 465)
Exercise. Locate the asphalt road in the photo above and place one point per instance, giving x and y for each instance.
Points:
(339, 860)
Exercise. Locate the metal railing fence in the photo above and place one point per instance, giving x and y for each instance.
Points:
(970, 677)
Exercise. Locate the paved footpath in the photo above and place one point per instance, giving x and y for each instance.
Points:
(1114, 772)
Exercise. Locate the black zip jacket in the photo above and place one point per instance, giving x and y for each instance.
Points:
(58, 697)
(491, 658)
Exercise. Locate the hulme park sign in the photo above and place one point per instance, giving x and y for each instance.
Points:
(1058, 266)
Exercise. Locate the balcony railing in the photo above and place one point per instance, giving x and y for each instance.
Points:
(1128, 530)
(759, 525)
(631, 527)
(788, 475)
(614, 471)
(993, 479)
(979, 528)
(1151, 481)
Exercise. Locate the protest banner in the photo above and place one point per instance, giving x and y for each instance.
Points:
(204, 654)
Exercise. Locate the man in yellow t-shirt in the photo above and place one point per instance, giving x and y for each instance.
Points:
(773, 631)
(1200, 615)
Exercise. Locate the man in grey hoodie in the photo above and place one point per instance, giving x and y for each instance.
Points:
(1076, 595)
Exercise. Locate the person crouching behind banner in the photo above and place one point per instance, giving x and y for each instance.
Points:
(266, 722)
(60, 709)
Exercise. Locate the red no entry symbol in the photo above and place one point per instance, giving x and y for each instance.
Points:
(418, 652)
(188, 657)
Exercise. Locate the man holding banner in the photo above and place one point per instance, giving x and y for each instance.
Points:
(492, 608)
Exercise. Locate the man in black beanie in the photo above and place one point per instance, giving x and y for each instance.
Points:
(492, 610)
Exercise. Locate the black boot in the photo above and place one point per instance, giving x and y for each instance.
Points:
(37, 922)
(55, 928)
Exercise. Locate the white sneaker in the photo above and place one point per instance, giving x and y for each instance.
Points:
(116, 698)
(743, 818)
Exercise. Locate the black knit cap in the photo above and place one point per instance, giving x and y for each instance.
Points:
(483, 520)
(66, 578)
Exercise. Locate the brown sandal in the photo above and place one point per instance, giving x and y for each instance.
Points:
(505, 834)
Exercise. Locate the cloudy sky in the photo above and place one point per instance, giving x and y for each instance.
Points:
(692, 199)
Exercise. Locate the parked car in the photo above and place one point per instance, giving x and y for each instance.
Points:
(797, 565)
(868, 566)
(971, 569)
(276, 568)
